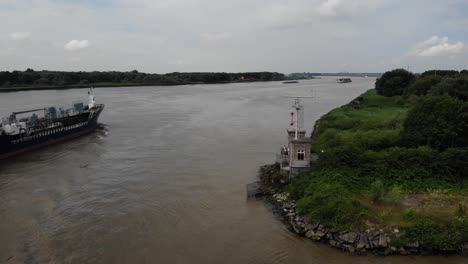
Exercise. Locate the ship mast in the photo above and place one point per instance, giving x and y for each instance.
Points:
(91, 102)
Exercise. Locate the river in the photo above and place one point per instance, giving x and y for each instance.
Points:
(165, 181)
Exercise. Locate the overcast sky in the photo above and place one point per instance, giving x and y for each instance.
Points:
(161, 36)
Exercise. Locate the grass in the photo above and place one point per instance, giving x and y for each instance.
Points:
(375, 123)
(367, 178)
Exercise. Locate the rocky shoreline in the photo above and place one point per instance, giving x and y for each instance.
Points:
(378, 242)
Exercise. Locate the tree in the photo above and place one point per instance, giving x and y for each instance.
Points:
(443, 73)
(394, 82)
(423, 84)
(455, 87)
(440, 122)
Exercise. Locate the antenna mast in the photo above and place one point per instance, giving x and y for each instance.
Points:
(299, 115)
(299, 118)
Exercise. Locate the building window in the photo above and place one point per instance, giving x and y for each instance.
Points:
(300, 154)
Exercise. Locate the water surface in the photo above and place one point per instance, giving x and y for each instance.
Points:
(165, 181)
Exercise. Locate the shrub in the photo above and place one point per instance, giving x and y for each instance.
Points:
(346, 155)
(377, 191)
(452, 163)
(443, 73)
(422, 85)
(394, 82)
(454, 87)
(298, 185)
(409, 214)
(331, 204)
(440, 122)
(435, 237)
(460, 213)
(394, 195)
(376, 139)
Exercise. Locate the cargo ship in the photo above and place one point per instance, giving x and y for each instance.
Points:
(27, 130)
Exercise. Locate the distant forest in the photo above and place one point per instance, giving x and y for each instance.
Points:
(342, 74)
(31, 78)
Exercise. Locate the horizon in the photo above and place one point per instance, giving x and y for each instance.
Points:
(286, 73)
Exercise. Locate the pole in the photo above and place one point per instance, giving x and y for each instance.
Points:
(297, 119)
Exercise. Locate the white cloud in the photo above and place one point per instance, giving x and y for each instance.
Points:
(438, 46)
(216, 36)
(300, 13)
(76, 44)
(20, 35)
(349, 8)
(329, 7)
(279, 35)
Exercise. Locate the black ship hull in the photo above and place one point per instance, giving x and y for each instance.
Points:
(71, 127)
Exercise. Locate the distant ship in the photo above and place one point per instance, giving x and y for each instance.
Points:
(18, 135)
(344, 80)
(293, 81)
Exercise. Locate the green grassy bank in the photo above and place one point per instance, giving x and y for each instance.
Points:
(396, 163)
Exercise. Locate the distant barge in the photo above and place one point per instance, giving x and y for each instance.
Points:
(344, 80)
(294, 81)
(18, 135)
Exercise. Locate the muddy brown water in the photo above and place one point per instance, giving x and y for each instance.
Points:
(165, 181)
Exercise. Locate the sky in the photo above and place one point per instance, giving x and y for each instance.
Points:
(160, 36)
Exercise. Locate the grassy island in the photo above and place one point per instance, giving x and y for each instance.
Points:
(394, 159)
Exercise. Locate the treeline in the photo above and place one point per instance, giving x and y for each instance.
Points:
(342, 74)
(61, 78)
(430, 83)
(438, 117)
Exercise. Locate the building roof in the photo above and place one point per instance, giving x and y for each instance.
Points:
(301, 140)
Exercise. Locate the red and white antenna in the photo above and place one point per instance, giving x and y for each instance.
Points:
(298, 119)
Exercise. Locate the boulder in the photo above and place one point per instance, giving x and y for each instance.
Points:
(309, 234)
(349, 248)
(387, 251)
(465, 249)
(315, 226)
(308, 226)
(321, 232)
(412, 248)
(402, 251)
(374, 242)
(297, 229)
(363, 241)
(349, 238)
(383, 242)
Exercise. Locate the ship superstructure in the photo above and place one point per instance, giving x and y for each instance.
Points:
(25, 130)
